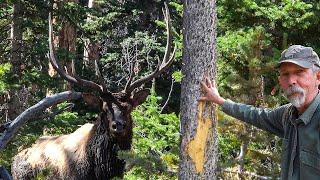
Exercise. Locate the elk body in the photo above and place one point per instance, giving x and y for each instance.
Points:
(88, 153)
(91, 151)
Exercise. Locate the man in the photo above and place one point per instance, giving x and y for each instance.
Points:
(298, 122)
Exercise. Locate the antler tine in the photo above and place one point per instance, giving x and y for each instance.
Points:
(166, 15)
(101, 79)
(165, 63)
(107, 94)
(72, 79)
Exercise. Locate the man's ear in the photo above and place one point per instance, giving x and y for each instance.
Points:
(318, 75)
(93, 101)
(318, 79)
(139, 97)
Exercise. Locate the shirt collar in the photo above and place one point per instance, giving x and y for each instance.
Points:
(308, 113)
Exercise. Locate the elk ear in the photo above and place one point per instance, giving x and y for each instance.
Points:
(139, 97)
(93, 101)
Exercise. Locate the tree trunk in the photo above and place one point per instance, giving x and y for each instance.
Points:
(199, 145)
(66, 41)
(91, 49)
(14, 104)
(16, 38)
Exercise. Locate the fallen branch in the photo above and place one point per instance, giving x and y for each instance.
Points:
(49, 116)
(4, 174)
(33, 112)
(4, 126)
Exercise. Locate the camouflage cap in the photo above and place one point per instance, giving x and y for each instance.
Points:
(300, 55)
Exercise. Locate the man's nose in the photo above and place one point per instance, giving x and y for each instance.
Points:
(292, 80)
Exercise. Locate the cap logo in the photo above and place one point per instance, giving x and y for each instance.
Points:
(291, 54)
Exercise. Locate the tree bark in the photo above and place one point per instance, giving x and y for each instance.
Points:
(14, 105)
(67, 38)
(16, 38)
(199, 145)
(91, 49)
(66, 41)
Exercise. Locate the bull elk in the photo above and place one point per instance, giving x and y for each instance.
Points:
(91, 151)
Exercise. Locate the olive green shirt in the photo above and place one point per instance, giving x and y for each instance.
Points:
(300, 134)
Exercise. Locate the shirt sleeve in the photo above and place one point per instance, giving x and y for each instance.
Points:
(266, 119)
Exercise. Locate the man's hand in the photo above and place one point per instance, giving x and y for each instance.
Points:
(211, 91)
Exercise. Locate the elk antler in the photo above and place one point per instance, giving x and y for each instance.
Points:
(163, 65)
(72, 79)
(102, 89)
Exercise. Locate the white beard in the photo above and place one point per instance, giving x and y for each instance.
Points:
(296, 101)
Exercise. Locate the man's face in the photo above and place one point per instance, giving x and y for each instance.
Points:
(299, 84)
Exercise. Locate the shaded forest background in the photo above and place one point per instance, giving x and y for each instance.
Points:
(251, 35)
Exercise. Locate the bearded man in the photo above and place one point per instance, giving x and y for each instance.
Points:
(297, 123)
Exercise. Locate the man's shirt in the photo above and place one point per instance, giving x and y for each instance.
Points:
(300, 135)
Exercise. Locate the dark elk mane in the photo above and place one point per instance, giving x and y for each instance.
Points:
(91, 152)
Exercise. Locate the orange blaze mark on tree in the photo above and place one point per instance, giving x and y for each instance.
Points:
(196, 147)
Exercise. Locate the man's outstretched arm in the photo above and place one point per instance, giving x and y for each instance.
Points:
(266, 119)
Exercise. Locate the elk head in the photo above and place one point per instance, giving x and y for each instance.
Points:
(116, 110)
(116, 107)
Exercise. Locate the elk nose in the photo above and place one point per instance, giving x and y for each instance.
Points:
(117, 126)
